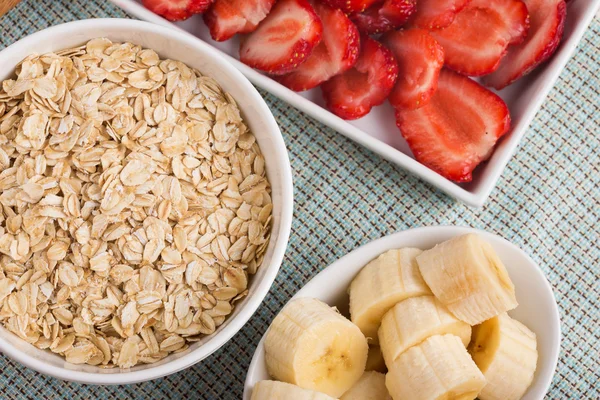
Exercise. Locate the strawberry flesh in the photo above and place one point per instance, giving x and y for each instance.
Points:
(547, 20)
(384, 17)
(350, 6)
(227, 17)
(420, 59)
(284, 39)
(436, 14)
(457, 129)
(352, 94)
(478, 38)
(177, 10)
(337, 52)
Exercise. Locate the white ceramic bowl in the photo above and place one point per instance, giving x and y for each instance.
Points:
(537, 307)
(378, 132)
(175, 45)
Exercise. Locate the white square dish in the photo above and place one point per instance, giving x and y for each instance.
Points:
(377, 131)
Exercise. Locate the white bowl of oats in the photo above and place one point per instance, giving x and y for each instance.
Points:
(145, 203)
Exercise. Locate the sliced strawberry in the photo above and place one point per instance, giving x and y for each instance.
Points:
(436, 14)
(384, 17)
(457, 129)
(227, 17)
(352, 94)
(337, 52)
(545, 33)
(350, 6)
(177, 10)
(283, 40)
(420, 59)
(478, 38)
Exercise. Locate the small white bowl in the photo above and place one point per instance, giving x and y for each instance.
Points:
(537, 307)
(175, 45)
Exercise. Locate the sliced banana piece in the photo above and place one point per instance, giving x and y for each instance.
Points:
(468, 277)
(375, 361)
(311, 345)
(390, 278)
(413, 320)
(440, 368)
(274, 390)
(370, 386)
(505, 351)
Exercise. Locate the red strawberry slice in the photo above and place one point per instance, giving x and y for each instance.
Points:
(337, 52)
(478, 38)
(420, 59)
(228, 17)
(457, 129)
(350, 6)
(283, 40)
(177, 10)
(384, 17)
(436, 14)
(545, 33)
(352, 94)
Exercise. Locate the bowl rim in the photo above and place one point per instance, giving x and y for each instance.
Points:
(261, 288)
(369, 248)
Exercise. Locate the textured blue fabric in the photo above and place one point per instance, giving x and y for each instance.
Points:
(547, 202)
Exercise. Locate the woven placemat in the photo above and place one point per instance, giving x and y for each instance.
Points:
(547, 202)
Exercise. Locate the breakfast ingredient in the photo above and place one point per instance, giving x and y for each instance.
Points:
(311, 345)
(370, 386)
(351, 95)
(436, 14)
(479, 37)
(457, 129)
(420, 59)
(337, 52)
(547, 20)
(505, 351)
(350, 6)
(415, 319)
(480, 287)
(375, 361)
(384, 16)
(227, 17)
(284, 39)
(428, 347)
(438, 368)
(177, 10)
(135, 204)
(274, 390)
(382, 283)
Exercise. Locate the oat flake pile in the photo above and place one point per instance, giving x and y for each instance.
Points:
(134, 204)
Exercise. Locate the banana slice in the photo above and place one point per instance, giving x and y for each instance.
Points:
(310, 345)
(505, 351)
(375, 361)
(413, 320)
(467, 276)
(385, 281)
(370, 386)
(439, 368)
(273, 390)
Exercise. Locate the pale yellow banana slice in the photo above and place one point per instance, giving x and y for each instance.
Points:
(505, 351)
(437, 369)
(390, 278)
(311, 345)
(370, 386)
(413, 320)
(467, 276)
(274, 390)
(375, 361)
